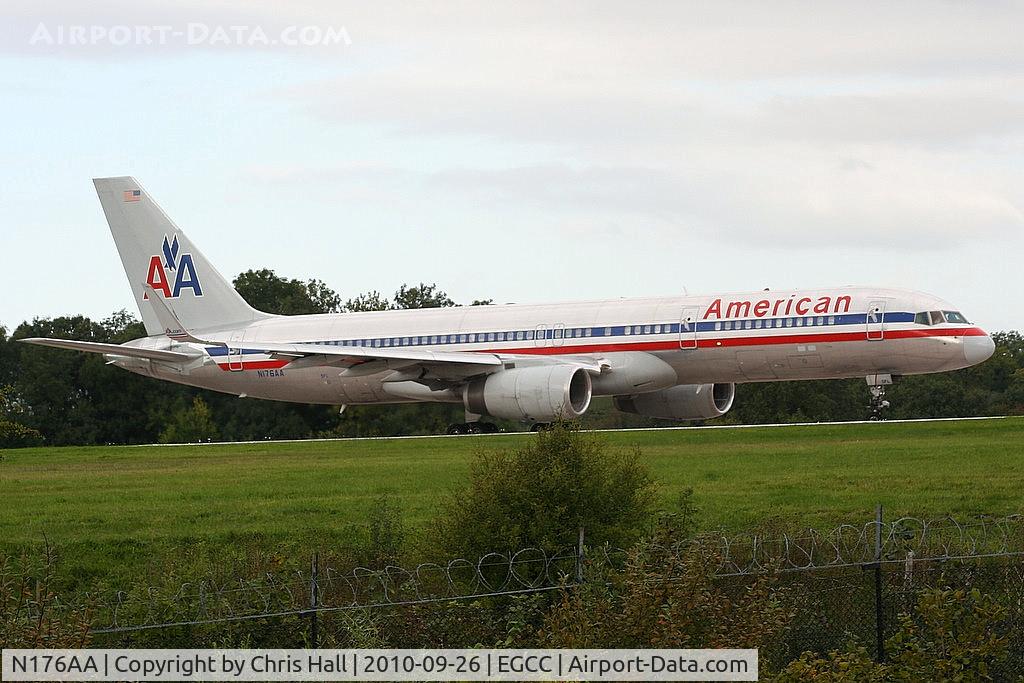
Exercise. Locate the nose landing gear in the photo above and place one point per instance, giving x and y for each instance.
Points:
(877, 385)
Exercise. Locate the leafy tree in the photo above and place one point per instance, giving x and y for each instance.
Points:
(421, 296)
(122, 326)
(266, 291)
(190, 425)
(1015, 393)
(368, 301)
(482, 302)
(13, 434)
(541, 493)
(324, 299)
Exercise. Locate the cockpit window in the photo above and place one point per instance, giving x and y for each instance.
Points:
(955, 317)
(940, 317)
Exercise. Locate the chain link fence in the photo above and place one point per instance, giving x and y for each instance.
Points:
(851, 582)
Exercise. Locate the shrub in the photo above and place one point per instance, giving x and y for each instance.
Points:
(31, 614)
(952, 635)
(15, 435)
(668, 597)
(539, 495)
(190, 425)
(387, 533)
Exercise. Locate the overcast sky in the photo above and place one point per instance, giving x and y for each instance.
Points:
(525, 151)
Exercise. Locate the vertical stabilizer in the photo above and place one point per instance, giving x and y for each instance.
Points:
(160, 260)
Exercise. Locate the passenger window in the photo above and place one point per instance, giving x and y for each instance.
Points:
(529, 334)
(625, 330)
(757, 324)
(831, 320)
(501, 336)
(718, 327)
(586, 332)
(747, 325)
(820, 321)
(558, 333)
(519, 336)
(647, 329)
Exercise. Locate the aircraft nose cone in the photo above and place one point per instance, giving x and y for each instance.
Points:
(978, 349)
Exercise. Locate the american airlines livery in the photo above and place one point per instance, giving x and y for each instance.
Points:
(670, 357)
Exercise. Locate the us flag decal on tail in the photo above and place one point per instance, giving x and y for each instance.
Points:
(132, 195)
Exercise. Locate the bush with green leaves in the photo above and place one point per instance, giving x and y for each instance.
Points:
(950, 635)
(669, 597)
(541, 493)
(191, 425)
(15, 435)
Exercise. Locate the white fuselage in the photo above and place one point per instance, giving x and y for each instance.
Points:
(743, 337)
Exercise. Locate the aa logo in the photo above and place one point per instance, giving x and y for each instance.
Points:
(170, 272)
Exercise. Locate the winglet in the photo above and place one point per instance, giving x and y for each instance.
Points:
(169, 319)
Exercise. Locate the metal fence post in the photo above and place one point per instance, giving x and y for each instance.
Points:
(579, 558)
(314, 600)
(879, 623)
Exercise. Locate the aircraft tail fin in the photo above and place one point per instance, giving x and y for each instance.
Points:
(160, 260)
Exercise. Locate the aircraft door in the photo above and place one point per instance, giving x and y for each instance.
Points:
(235, 350)
(558, 334)
(875, 321)
(542, 335)
(688, 327)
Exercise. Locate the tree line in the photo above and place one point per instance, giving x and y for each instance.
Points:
(55, 397)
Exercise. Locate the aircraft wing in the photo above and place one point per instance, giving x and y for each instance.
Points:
(112, 349)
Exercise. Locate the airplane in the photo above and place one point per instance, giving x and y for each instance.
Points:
(677, 357)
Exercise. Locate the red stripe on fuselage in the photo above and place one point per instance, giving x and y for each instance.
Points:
(703, 343)
(723, 342)
(256, 365)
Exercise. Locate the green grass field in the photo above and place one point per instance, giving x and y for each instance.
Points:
(98, 503)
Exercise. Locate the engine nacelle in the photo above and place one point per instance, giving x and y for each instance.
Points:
(683, 402)
(535, 394)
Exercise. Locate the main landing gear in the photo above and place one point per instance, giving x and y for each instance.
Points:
(473, 428)
(877, 385)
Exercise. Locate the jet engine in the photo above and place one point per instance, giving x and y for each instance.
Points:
(683, 402)
(535, 394)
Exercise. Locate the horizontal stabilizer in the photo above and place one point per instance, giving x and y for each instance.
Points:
(113, 349)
